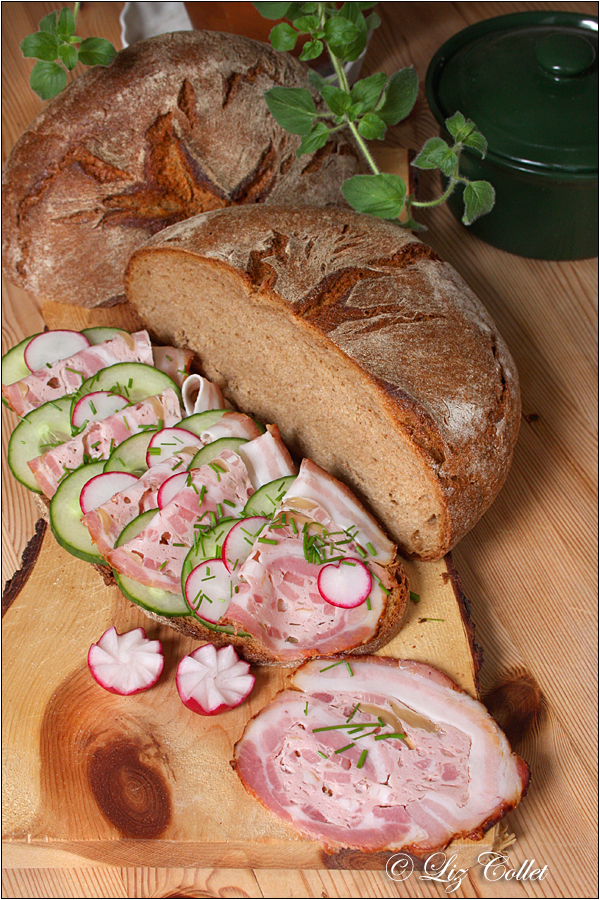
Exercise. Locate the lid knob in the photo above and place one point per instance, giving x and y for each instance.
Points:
(565, 55)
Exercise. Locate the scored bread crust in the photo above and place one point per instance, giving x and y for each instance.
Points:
(372, 355)
(176, 125)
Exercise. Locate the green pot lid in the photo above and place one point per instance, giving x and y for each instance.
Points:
(530, 83)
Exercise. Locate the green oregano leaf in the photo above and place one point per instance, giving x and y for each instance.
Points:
(477, 141)
(96, 52)
(455, 123)
(317, 80)
(68, 54)
(372, 127)
(283, 37)
(306, 24)
(351, 51)
(273, 10)
(292, 108)
(336, 99)
(339, 31)
(311, 50)
(431, 153)
(479, 198)
(315, 140)
(47, 79)
(367, 91)
(379, 195)
(400, 96)
(41, 45)
(372, 22)
(66, 23)
(48, 23)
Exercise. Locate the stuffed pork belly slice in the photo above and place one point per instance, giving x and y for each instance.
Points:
(278, 600)
(380, 754)
(155, 557)
(66, 375)
(106, 522)
(173, 362)
(98, 439)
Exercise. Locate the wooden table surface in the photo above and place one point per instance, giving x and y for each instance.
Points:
(528, 568)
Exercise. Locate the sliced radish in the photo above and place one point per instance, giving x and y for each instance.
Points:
(96, 406)
(346, 585)
(126, 663)
(102, 487)
(209, 589)
(240, 540)
(210, 681)
(171, 487)
(167, 442)
(50, 346)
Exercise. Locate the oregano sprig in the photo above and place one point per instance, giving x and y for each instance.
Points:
(54, 48)
(367, 109)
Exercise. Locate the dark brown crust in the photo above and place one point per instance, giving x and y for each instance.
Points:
(122, 153)
(15, 585)
(464, 608)
(381, 303)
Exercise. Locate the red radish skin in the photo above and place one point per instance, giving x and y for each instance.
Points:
(167, 442)
(171, 487)
(101, 488)
(346, 585)
(208, 590)
(212, 681)
(96, 407)
(50, 346)
(239, 541)
(126, 663)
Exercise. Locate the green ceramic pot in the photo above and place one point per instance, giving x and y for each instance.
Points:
(530, 83)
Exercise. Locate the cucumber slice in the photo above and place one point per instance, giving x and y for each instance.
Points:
(136, 381)
(130, 456)
(208, 545)
(13, 362)
(268, 497)
(212, 450)
(100, 333)
(199, 422)
(65, 514)
(42, 428)
(154, 599)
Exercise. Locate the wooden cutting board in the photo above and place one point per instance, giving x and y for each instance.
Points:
(93, 777)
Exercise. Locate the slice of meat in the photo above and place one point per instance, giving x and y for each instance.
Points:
(106, 522)
(451, 774)
(66, 375)
(173, 362)
(232, 424)
(199, 395)
(267, 458)
(98, 439)
(155, 557)
(278, 601)
(314, 483)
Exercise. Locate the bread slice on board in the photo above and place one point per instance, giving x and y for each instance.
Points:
(372, 355)
(176, 125)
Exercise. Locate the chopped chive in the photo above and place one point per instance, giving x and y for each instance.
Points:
(353, 713)
(414, 597)
(349, 669)
(306, 709)
(324, 755)
(346, 562)
(229, 502)
(361, 550)
(294, 526)
(371, 549)
(219, 510)
(337, 727)
(176, 466)
(333, 665)
(75, 372)
(154, 451)
(361, 760)
(163, 565)
(263, 540)
(49, 365)
(97, 444)
(126, 424)
(180, 545)
(168, 357)
(93, 408)
(368, 603)
(347, 747)
(390, 734)
(130, 382)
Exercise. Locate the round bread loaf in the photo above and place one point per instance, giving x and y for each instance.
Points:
(371, 354)
(175, 126)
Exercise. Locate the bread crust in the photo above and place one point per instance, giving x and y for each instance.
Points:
(176, 125)
(404, 325)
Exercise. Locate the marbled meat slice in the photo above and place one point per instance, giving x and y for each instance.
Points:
(106, 522)
(156, 556)
(98, 439)
(66, 375)
(452, 773)
(173, 362)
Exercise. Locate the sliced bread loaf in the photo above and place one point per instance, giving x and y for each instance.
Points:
(371, 354)
(176, 125)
